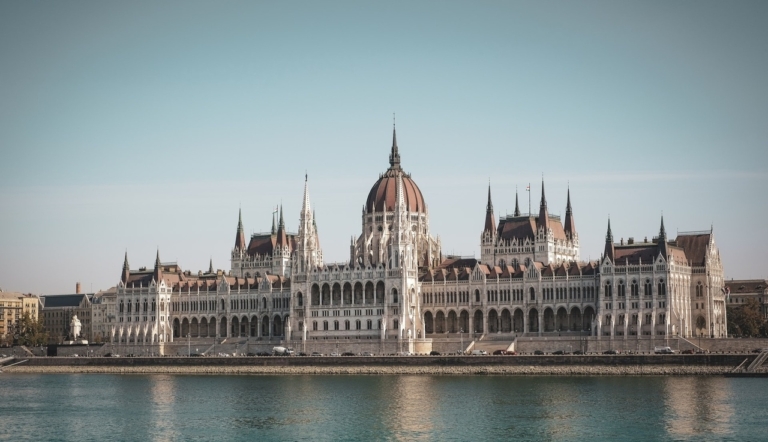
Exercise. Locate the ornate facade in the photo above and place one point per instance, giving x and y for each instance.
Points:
(398, 287)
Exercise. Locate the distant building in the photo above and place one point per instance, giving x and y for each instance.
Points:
(103, 315)
(740, 290)
(13, 305)
(57, 312)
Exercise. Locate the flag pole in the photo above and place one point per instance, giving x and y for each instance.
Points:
(529, 199)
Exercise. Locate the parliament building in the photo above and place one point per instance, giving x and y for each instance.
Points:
(398, 292)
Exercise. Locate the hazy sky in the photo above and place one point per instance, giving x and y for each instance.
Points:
(144, 125)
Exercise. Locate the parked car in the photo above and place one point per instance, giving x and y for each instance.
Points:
(479, 353)
(578, 352)
(367, 353)
(434, 353)
(538, 352)
(314, 353)
(348, 353)
(301, 353)
(687, 351)
(611, 352)
(663, 350)
(405, 353)
(500, 353)
(335, 354)
(263, 353)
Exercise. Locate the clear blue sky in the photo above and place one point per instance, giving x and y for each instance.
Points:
(138, 125)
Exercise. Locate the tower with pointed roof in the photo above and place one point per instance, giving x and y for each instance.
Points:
(525, 238)
(308, 254)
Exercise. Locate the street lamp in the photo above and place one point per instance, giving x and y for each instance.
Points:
(461, 336)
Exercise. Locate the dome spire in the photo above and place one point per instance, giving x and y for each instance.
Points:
(517, 206)
(394, 156)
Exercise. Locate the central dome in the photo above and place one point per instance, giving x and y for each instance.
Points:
(383, 194)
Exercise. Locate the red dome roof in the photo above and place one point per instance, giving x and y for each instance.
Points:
(383, 194)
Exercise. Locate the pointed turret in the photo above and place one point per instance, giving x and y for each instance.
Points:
(157, 275)
(490, 221)
(240, 236)
(570, 226)
(517, 206)
(126, 269)
(663, 240)
(282, 239)
(394, 156)
(210, 266)
(543, 219)
(609, 242)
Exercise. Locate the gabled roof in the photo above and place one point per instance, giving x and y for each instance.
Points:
(695, 246)
(521, 227)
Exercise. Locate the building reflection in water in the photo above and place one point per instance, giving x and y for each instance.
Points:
(697, 406)
(411, 414)
(162, 390)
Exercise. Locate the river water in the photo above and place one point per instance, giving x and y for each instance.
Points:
(95, 407)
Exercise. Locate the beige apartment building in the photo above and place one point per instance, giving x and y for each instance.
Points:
(13, 305)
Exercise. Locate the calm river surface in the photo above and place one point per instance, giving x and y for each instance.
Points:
(94, 407)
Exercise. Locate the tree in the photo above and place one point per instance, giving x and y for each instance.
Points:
(30, 332)
(746, 319)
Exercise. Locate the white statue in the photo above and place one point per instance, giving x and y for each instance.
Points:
(75, 327)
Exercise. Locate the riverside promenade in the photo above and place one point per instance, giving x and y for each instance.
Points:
(567, 365)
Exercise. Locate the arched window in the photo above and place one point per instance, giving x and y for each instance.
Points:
(300, 299)
(153, 305)
(325, 325)
(608, 289)
(662, 288)
(121, 306)
(314, 325)
(635, 290)
(223, 306)
(357, 325)
(622, 289)
(335, 325)
(394, 296)
(477, 295)
(346, 325)
(647, 290)
(532, 293)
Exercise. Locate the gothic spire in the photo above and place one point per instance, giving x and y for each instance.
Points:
(210, 266)
(126, 269)
(305, 208)
(394, 156)
(490, 221)
(517, 206)
(609, 242)
(240, 236)
(158, 273)
(663, 240)
(570, 226)
(282, 238)
(543, 212)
